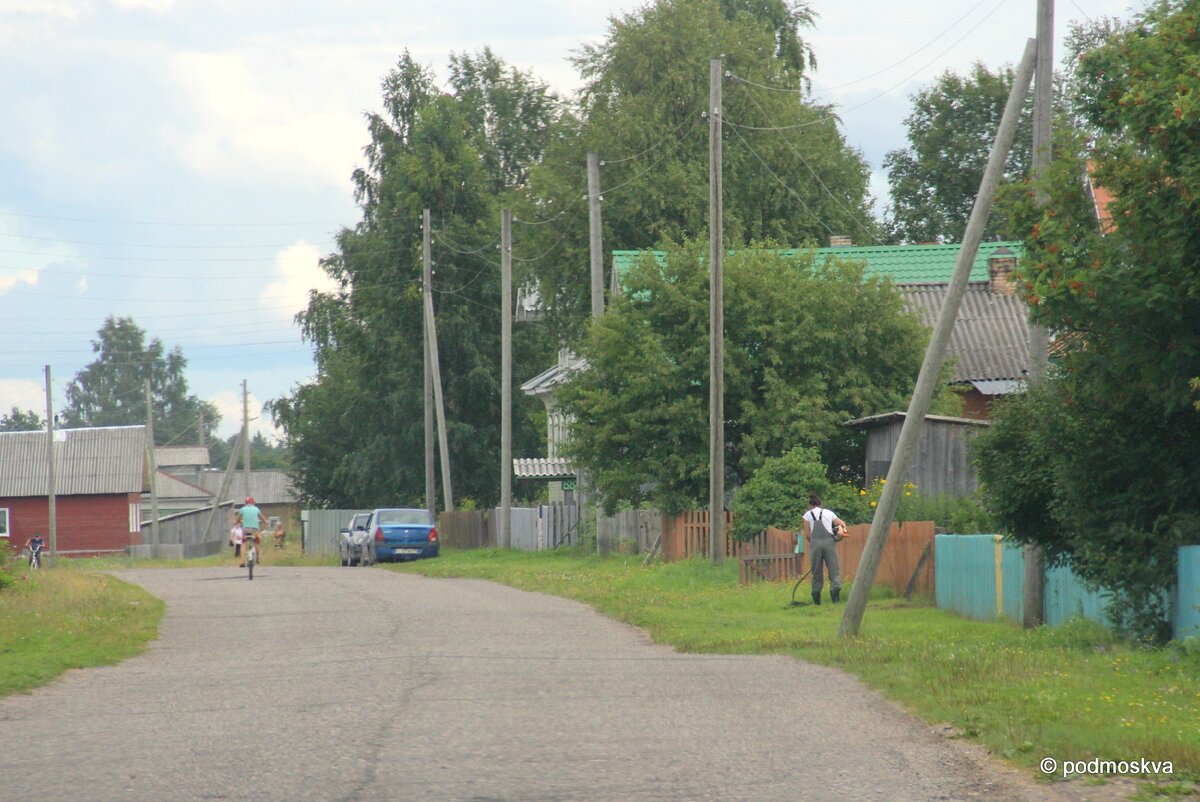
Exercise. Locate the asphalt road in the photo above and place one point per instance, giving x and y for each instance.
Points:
(364, 684)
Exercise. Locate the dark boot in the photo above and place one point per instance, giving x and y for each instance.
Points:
(816, 599)
(835, 595)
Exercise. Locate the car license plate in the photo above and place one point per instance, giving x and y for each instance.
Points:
(407, 551)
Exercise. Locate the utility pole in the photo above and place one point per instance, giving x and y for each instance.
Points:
(716, 323)
(595, 249)
(226, 484)
(1033, 591)
(927, 380)
(51, 500)
(201, 439)
(439, 406)
(245, 439)
(152, 458)
(506, 378)
(427, 272)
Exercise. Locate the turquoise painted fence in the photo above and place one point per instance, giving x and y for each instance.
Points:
(1187, 599)
(1066, 597)
(978, 576)
(981, 577)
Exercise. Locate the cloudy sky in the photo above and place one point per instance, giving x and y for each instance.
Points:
(186, 163)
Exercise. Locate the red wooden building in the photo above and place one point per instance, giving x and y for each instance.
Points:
(99, 478)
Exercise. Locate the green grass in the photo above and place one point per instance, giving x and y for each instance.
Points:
(54, 620)
(1071, 693)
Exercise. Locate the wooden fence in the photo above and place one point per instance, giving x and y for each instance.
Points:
(770, 555)
(464, 529)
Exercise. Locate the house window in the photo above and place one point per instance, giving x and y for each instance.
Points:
(135, 517)
(3, 521)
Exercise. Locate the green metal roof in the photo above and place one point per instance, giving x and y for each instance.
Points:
(906, 264)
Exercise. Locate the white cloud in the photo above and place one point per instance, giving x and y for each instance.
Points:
(69, 10)
(296, 273)
(229, 404)
(23, 394)
(256, 119)
(25, 255)
(157, 6)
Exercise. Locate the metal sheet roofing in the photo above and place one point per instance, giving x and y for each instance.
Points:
(905, 264)
(180, 456)
(267, 487)
(97, 461)
(168, 486)
(991, 333)
(542, 468)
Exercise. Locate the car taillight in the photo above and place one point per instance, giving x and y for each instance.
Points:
(379, 534)
(433, 534)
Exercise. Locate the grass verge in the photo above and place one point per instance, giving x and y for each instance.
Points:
(1071, 693)
(55, 620)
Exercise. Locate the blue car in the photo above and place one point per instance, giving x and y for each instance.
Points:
(403, 534)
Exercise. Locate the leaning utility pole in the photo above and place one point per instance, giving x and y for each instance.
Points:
(152, 458)
(506, 378)
(716, 323)
(245, 439)
(427, 272)
(51, 500)
(595, 249)
(439, 407)
(1033, 596)
(927, 380)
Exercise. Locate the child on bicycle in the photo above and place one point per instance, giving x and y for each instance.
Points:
(249, 518)
(35, 545)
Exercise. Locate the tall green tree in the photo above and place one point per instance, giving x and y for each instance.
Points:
(356, 432)
(950, 134)
(110, 391)
(20, 420)
(1097, 465)
(807, 348)
(788, 174)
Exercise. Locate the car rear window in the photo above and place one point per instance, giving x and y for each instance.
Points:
(405, 517)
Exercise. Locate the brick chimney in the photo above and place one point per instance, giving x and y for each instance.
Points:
(840, 242)
(1001, 265)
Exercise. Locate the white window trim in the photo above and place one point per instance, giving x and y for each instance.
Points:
(5, 516)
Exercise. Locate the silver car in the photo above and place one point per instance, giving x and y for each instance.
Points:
(355, 546)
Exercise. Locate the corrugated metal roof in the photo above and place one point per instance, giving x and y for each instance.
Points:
(180, 456)
(169, 486)
(905, 264)
(542, 468)
(86, 462)
(991, 333)
(888, 417)
(267, 487)
(547, 380)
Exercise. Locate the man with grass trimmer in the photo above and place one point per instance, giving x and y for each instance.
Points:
(823, 530)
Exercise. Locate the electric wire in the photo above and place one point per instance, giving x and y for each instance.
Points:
(784, 184)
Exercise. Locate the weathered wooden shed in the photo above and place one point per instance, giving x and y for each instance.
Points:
(941, 466)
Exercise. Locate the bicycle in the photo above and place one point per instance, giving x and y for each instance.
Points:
(35, 557)
(250, 548)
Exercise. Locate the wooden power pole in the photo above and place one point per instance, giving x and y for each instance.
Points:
(426, 276)
(439, 405)
(1033, 590)
(152, 459)
(506, 378)
(595, 244)
(51, 499)
(716, 323)
(245, 440)
(927, 380)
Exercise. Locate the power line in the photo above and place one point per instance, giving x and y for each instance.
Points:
(856, 215)
(784, 184)
(953, 25)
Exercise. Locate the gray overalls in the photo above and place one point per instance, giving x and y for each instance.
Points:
(823, 551)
